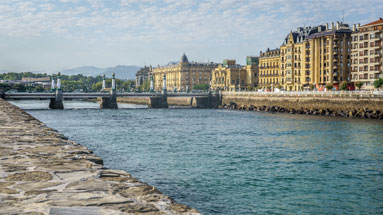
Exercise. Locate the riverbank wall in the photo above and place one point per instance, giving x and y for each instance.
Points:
(345, 104)
(42, 172)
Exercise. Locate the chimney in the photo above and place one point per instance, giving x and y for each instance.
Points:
(326, 26)
(332, 26)
(319, 28)
(353, 27)
(337, 25)
(357, 26)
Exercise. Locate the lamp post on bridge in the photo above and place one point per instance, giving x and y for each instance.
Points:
(53, 84)
(164, 84)
(113, 83)
(151, 84)
(103, 82)
(164, 99)
(58, 83)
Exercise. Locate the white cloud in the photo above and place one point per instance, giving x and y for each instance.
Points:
(212, 24)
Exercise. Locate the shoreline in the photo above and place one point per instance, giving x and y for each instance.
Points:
(42, 172)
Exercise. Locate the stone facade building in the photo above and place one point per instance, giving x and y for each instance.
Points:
(367, 53)
(269, 76)
(143, 75)
(329, 56)
(252, 71)
(182, 76)
(294, 58)
(229, 76)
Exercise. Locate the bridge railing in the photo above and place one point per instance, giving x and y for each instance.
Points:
(101, 94)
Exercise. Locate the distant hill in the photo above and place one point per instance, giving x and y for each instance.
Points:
(122, 72)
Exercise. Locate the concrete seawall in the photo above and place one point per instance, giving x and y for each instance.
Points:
(42, 172)
(360, 106)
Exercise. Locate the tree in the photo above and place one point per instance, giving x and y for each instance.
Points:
(329, 87)
(343, 85)
(19, 87)
(39, 88)
(311, 86)
(359, 85)
(145, 86)
(4, 87)
(201, 87)
(12, 76)
(97, 86)
(378, 83)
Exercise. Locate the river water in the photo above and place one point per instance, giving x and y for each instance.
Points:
(235, 162)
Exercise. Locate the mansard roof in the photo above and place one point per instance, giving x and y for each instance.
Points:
(302, 32)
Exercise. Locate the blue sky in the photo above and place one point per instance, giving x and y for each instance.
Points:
(48, 35)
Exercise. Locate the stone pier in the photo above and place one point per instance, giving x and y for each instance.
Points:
(42, 172)
(111, 101)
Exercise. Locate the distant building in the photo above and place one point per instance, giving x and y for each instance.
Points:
(269, 76)
(229, 76)
(43, 81)
(182, 76)
(252, 71)
(143, 75)
(35, 80)
(367, 53)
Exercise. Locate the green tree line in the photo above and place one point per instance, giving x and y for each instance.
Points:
(69, 83)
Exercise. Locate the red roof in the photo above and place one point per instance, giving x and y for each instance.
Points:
(379, 21)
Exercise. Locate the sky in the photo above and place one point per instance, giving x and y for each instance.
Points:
(52, 35)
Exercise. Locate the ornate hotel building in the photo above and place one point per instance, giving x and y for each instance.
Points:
(367, 53)
(182, 76)
(329, 61)
(269, 76)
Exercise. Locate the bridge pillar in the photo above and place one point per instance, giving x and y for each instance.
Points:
(57, 101)
(160, 101)
(111, 101)
(209, 101)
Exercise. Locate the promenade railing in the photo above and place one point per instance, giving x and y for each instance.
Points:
(308, 93)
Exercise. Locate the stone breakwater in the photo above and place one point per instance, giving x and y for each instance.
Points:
(42, 172)
(326, 104)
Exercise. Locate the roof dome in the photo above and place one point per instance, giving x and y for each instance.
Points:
(184, 59)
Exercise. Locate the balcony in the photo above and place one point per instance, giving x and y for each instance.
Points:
(375, 39)
(335, 59)
(335, 66)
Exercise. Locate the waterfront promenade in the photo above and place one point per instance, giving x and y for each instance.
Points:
(42, 172)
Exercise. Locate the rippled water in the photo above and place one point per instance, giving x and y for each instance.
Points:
(233, 162)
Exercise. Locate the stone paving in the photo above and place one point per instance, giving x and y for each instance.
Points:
(42, 172)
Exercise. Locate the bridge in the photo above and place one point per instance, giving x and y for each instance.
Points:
(109, 98)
